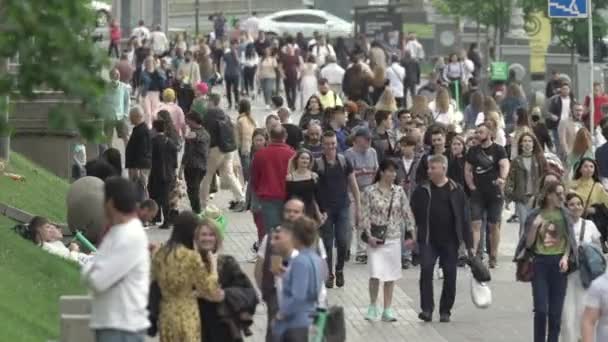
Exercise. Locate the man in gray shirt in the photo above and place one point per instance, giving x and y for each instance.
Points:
(364, 160)
(596, 311)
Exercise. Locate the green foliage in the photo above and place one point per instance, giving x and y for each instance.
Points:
(42, 193)
(32, 281)
(52, 41)
(489, 13)
(572, 33)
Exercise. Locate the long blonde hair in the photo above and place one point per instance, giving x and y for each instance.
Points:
(442, 101)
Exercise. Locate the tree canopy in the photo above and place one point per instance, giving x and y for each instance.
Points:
(52, 42)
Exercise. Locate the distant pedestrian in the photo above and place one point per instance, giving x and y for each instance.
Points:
(138, 152)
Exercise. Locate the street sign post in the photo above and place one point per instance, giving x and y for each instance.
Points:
(578, 9)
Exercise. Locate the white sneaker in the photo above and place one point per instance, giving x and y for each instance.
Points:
(252, 258)
(439, 273)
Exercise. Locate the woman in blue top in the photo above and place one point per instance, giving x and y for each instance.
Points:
(301, 284)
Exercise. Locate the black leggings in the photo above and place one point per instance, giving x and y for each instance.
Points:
(290, 92)
(232, 84)
(113, 48)
(249, 78)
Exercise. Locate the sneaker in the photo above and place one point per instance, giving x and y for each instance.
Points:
(361, 259)
(406, 264)
(239, 207)
(339, 278)
(164, 226)
(329, 283)
(462, 262)
(513, 219)
(439, 273)
(252, 258)
(425, 316)
(347, 258)
(388, 316)
(231, 204)
(444, 318)
(493, 262)
(372, 313)
(255, 247)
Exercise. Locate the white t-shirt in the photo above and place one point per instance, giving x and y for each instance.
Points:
(333, 73)
(565, 108)
(597, 298)
(395, 74)
(321, 53)
(407, 164)
(160, 43)
(592, 235)
(141, 33)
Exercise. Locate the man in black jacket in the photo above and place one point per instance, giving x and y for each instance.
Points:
(412, 76)
(162, 174)
(438, 140)
(138, 152)
(441, 214)
(560, 108)
(221, 147)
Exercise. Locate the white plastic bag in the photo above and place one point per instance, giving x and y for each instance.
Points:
(481, 295)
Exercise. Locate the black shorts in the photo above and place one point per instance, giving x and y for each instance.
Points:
(489, 205)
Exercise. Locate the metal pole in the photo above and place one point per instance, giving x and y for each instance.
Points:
(592, 76)
(249, 8)
(197, 5)
(5, 141)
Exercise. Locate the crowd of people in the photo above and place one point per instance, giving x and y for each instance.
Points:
(414, 175)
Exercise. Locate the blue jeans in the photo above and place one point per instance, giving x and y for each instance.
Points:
(112, 335)
(336, 228)
(522, 210)
(272, 213)
(558, 147)
(548, 291)
(268, 88)
(245, 165)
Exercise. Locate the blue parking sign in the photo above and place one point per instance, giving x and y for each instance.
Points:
(568, 8)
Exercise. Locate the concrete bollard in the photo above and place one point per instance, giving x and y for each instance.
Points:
(75, 328)
(75, 305)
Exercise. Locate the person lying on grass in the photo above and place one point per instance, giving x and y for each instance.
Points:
(49, 237)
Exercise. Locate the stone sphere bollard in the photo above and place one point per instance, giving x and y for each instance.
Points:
(85, 207)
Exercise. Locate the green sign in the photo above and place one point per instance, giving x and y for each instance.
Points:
(423, 31)
(499, 71)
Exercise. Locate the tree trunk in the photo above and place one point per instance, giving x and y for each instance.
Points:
(5, 139)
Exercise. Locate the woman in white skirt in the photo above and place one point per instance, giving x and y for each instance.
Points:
(572, 313)
(385, 207)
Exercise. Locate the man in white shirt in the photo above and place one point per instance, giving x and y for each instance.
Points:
(321, 50)
(414, 47)
(395, 75)
(160, 43)
(252, 25)
(141, 32)
(119, 273)
(334, 74)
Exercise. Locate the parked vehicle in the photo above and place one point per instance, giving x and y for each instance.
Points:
(306, 21)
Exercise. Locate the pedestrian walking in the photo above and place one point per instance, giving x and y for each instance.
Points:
(384, 210)
(439, 208)
(194, 160)
(138, 152)
(549, 237)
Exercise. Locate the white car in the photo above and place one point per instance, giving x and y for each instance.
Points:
(306, 21)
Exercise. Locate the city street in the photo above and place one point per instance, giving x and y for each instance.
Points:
(509, 319)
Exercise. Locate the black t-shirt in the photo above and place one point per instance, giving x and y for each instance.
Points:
(333, 184)
(441, 220)
(486, 166)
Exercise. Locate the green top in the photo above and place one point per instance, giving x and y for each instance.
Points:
(551, 238)
(199, 105)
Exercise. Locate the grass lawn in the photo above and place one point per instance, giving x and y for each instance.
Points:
(42, 193)
(32, 282)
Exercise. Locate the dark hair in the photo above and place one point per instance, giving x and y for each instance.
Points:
(572, 195)
(408, 140)
(123, 194)
(329, 134)
(548, 189)
(402, 112)
(394, 59)
(148, 204)
(184, 229)
(244, 107)
(318, 101)
(523, 119)
(277, 101)
(249, 51)
(159, 126)
(386, 164)
(596, 171)
(278, 134)
(215, 99)
(36, 223)
(304, 230)
(195, 117)
(170, 129)
(310, 58)
(112, 156)
(537, 149)
(323, 81)
(380, 116)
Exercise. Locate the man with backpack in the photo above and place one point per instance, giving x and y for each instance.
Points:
(222, 144)
(336, 177)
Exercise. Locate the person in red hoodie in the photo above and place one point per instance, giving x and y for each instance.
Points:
(115, 36)
(268, 173)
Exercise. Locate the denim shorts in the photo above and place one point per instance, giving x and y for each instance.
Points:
(486, 204)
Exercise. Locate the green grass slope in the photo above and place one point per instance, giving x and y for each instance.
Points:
(32, 282)
(42, 193)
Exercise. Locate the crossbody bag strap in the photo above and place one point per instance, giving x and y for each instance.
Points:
(582, 233)
(390, 205)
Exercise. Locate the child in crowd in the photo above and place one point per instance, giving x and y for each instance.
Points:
(49, 237)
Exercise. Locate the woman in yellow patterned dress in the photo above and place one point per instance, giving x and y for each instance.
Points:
(182, 276)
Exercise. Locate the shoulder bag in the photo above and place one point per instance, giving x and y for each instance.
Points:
(379, 231)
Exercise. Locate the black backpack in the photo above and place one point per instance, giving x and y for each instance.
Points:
(226, 141)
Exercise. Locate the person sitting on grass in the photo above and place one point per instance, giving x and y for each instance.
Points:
(49, 237)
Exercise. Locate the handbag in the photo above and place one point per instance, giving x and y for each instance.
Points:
(591, 260)
(379, 231)
(525, 268)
